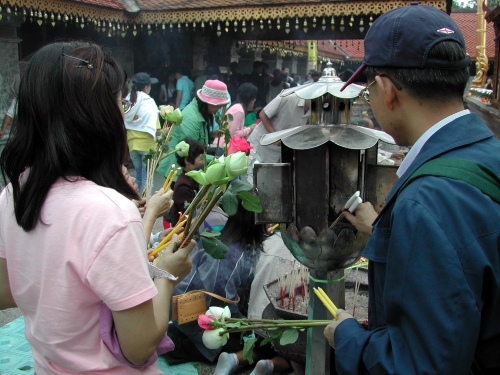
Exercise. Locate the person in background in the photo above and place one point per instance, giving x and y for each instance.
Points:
(9, 115)
(235, 80)
(283, 112)
(168, 91)
(229, 277)
(489, 83)
(185, 188)
(141, 122)
(297, 79)
(268, 361)
(277, 85)
(434, 250)
(198, 119)
(183, 86)
(245, 100)
(72, 244)
(257, 80)
(252, 117)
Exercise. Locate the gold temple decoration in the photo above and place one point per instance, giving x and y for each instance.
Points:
(312, 54)
(222, 14)
(481, 59)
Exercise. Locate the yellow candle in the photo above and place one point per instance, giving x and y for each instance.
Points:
(172, 232)
(172, 179)
(330, 302)
(168, 177)
(325, 302)
(159, 248)
(273, 228)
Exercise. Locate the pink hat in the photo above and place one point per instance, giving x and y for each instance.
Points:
(214, 92)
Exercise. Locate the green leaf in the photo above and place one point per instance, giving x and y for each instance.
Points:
(229, 116)
(266, 340)
(227, 136)
(289, 336)
(230, 203)
(250, 202)
(214, 247)
(237, 186)
(248, 350)
(207, 233)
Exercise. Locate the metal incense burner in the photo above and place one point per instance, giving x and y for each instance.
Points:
(323, 164)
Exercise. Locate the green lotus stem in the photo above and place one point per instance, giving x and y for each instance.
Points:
(170, 131)
(194, 203)
(202, 215)
(311, 324)
(275, 321)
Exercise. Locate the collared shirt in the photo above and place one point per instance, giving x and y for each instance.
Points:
(412, 154)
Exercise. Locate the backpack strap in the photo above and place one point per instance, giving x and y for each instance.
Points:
(471, 172)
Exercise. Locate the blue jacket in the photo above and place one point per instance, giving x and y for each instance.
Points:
(434, 270)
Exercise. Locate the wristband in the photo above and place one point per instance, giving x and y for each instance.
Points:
(158, 273)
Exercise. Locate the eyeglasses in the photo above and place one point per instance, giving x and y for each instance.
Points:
(126, 105)
(365, 94)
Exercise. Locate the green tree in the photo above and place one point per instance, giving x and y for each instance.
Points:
(471, 4)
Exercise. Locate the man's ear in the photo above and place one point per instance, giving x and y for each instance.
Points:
(387, 91)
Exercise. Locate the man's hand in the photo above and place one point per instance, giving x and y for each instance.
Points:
(329, 331)
(363, 217)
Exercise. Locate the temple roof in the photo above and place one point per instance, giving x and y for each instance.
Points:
(188, 11)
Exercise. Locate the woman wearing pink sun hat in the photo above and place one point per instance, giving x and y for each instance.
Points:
(198, 119)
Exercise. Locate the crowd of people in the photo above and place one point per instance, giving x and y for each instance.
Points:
(73, 243)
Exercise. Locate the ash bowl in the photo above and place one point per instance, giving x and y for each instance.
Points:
(333, 249)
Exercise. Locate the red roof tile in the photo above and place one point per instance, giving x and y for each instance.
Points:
(467, 22)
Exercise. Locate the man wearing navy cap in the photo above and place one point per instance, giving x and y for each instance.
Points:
(434, 269)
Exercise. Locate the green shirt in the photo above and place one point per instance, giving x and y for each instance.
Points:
(194, 126)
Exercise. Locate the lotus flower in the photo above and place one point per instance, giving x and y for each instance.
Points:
(216, 173)
(182, 149)
(198, 176)
(165, 110)
(216, 312)
(236, 164)
(175, 117)
(213, 340)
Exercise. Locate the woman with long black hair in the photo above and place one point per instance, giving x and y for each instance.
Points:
(72, 244)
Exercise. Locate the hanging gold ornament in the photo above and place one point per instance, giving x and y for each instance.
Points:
(244, 26)
(287, 26)
(361, 25)
(296, 23)
(305, 25)
(351, 21)
(218, 29)
(323, 24)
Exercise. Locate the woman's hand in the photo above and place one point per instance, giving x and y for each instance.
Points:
(160, 203)
(217, 133)
(363, 217)
(178, 263)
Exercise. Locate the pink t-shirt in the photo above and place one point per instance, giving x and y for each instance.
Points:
(237, 126)
(89, 247)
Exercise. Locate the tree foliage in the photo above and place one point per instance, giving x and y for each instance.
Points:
(471, 4)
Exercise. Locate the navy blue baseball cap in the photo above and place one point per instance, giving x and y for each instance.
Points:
(403, 37)
(143, 79)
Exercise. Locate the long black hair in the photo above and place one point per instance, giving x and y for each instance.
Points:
(241, 228)
(69, 123)
(245, 94)
(203, 108)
